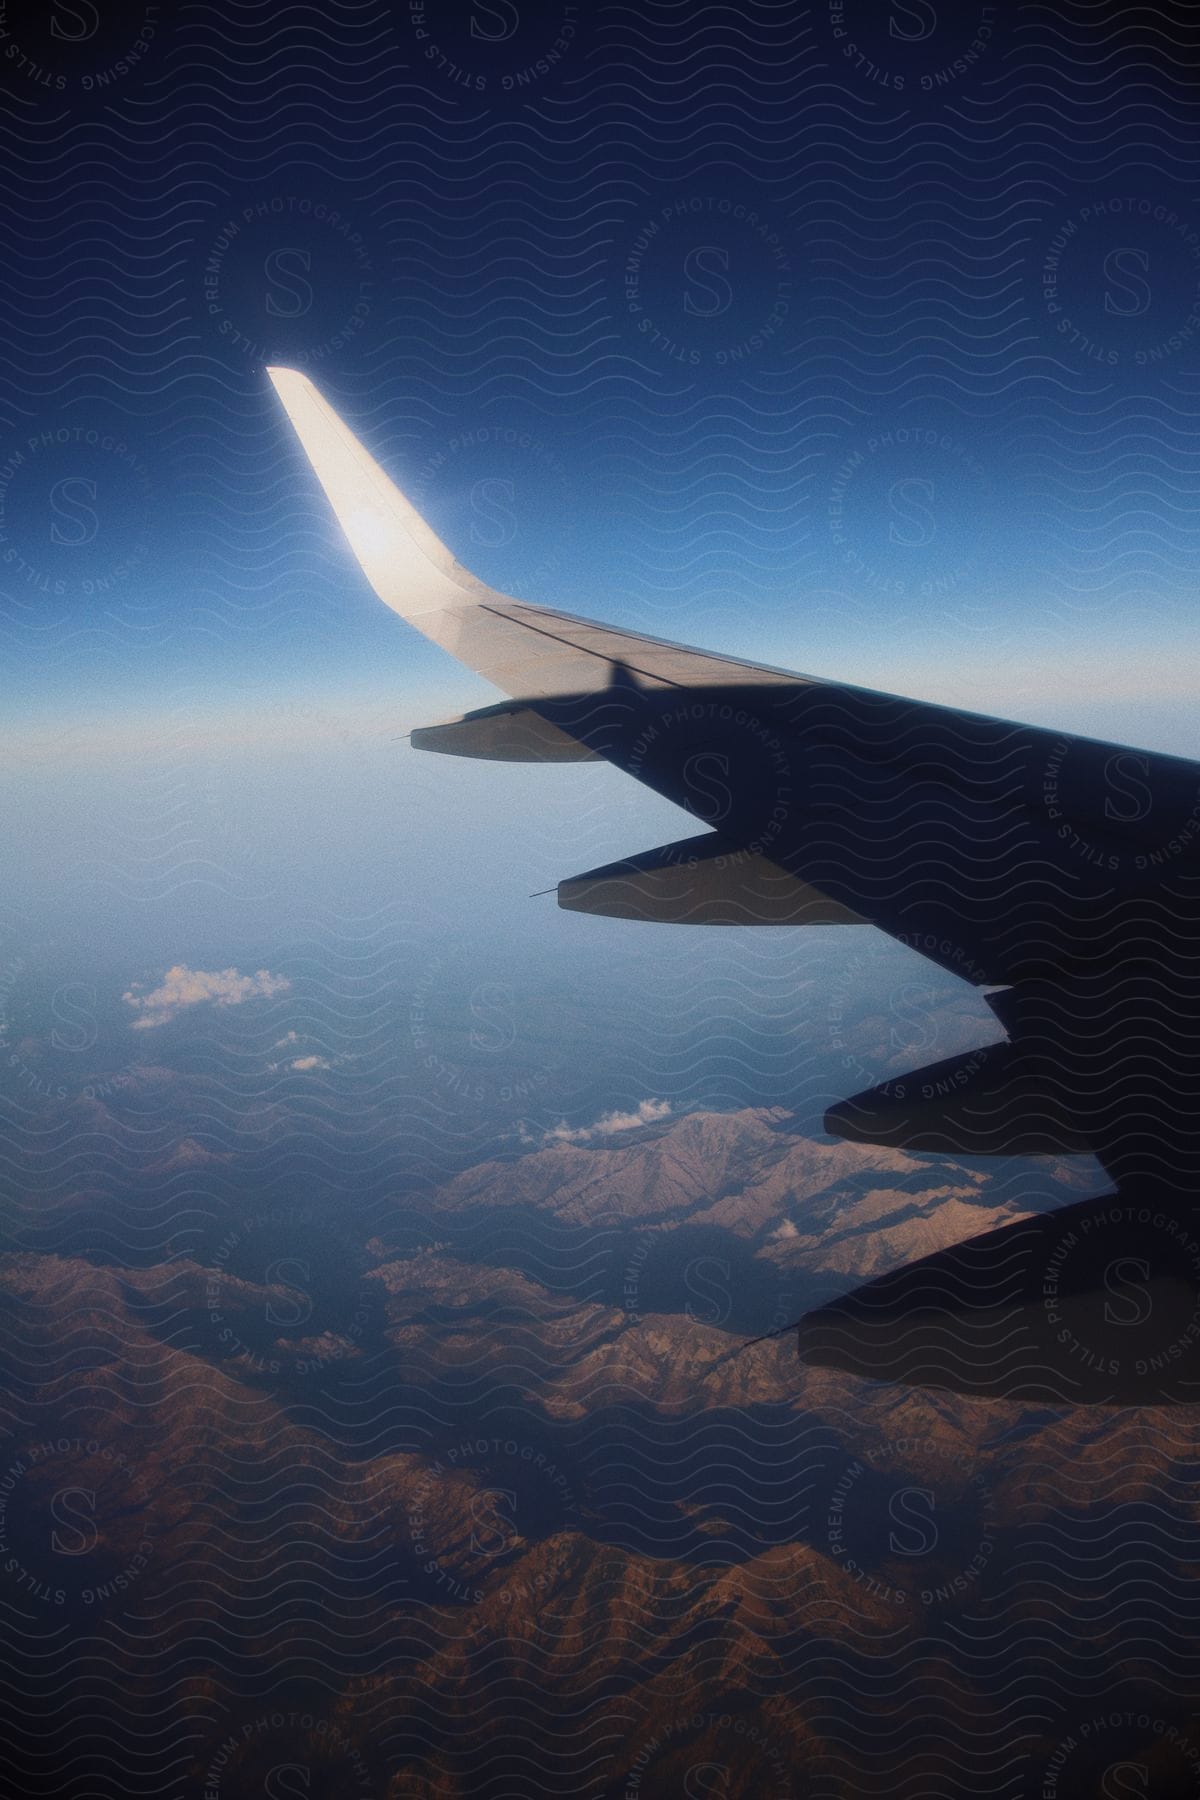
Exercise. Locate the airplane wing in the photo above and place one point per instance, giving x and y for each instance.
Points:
(526, 650)
(1061, 870)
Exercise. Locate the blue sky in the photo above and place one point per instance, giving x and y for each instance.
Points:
(887, 381)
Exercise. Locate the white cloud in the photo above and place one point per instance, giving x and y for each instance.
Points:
(310, 1062)
(647, 1112)
(182, 987)
(286, 1041)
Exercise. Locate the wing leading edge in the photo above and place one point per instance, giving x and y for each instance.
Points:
(1063, 870)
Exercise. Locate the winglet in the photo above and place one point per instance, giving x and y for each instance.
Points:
(527, 651)
(405, 562)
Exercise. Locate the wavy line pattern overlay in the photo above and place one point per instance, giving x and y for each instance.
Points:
(373, 1241)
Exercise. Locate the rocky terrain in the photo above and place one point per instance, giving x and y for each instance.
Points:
(477, 1494)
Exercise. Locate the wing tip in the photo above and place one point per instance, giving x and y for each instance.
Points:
(405, 561)
(282, 377)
